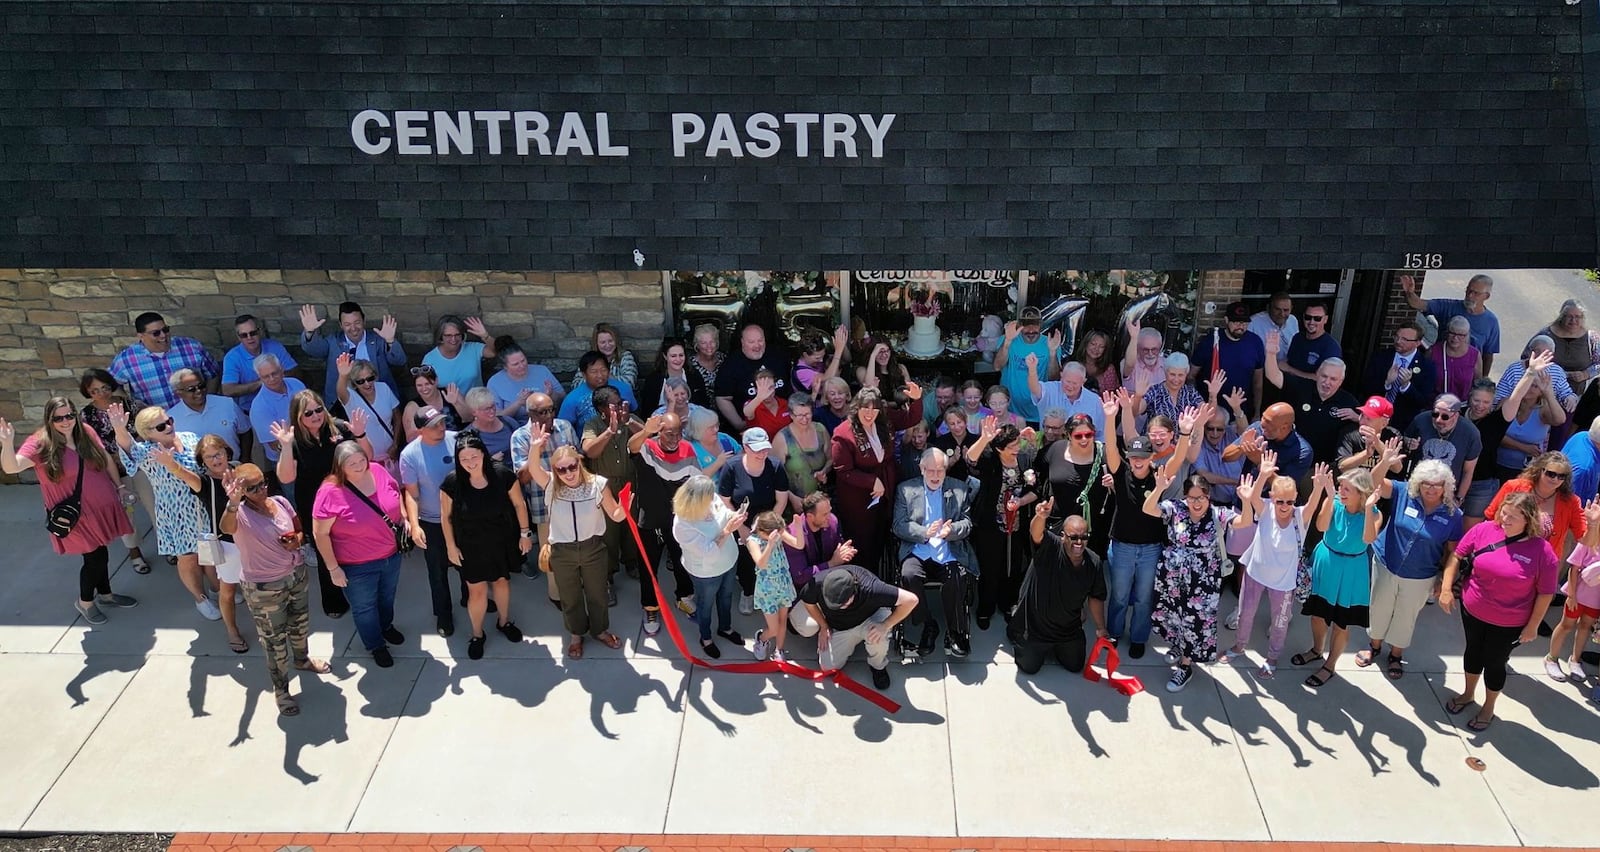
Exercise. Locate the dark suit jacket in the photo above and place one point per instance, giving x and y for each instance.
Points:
(329, 346)
(1419, 397)
(910, 518)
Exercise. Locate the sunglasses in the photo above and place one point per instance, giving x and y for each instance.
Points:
(566, 469)
(366, 381)
(1083, 435)
(312, 412)
(249, 334)
(62, 418)
(163, 426)
(1076, 537)
(255, 487)
(1313, 318)
(191, 389)
(1443, 415)
(423, 371)
(1283, 502)
(1555, 474)
(157, 332)
(542, 412)
(1216, 429)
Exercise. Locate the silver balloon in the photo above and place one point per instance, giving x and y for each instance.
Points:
(1141, 309)
(1067, 313)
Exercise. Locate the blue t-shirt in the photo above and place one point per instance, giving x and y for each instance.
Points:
(465, 371)
(1307, 354)
(1240, 359)
(425, 466)
(1412, 543)
(505, 388)
(1015, 374)
(1485, 326)
(1580, 451)
(238, 367)
(273, 407)
(578, 407)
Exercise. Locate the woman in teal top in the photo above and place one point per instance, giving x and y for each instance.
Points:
(1341, 569)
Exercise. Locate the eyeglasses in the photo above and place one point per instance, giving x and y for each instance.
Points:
(1455, 334)
(256, 487)
(423, 371)
(157, 332)
(191, 389)
(1083, 435)
(1218, 429)
(163, 426)
(312, 412)
(1555, 474)
(1194, 497)
(1076, 537)
(1570, 317)
(62, 418)
(566, 469)
(542, 412)
(1408, 340)
(366, 381)
(1154, 350)
(249, 334)
(101, 390)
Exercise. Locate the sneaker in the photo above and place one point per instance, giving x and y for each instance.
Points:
(1136, 650)
(475, 648)
(238, 597)
(780, 656)
(747, 605)
(446, 628)
(511, 631)
(930, 635)
(956, 645)
(383, 658)
(880, 678)
(1552, 667)
(731, 635)
(1267, 671)
(1171, 658)
(761, 646)
(686, 605)
(904, 647)
(208, 610)
(92, 613)
(393, 636)
(119, 601)
(983, 622)
(1575, 671)
(1180, 678)
(652, 622)
(1233, 619)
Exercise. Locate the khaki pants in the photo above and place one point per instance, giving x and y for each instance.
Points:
(581, 571)
(842, 643)
(1396, 602)
(283, 623)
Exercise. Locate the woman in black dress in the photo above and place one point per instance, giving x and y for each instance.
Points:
(486, 534)
(308, 440)
(1004, 488)
(1076, 469)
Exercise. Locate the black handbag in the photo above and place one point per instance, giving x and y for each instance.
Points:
(402, 539)
(1464, 566)
(63, 516)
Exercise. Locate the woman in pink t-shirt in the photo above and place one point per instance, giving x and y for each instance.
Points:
(357, 543)
(1514, 575)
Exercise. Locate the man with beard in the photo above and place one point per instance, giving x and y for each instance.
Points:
(662, 462)
(1025, 356)
(1485, 325)
(736, 378)
(1064, 578)
(1443, 434)
(1240, 354)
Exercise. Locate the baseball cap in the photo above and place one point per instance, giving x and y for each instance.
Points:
(1140, 447)
(838, 587)
(756, 439)
(1029, 316)
(1377, 406)
(1238, 312)
(426, 417)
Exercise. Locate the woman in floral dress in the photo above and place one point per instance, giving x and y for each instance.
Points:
(1189, 581)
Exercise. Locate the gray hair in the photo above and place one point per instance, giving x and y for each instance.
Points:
(1074, 368)
(1459, 323)
(265, 360)
(1571, 304)
(932, 453)
(477, 397)
(1334, 362)
(699, 419)
(1449, 399)
(1594, 432)
(676, 383)
(1150, 333)
(800, 398)
(179, 377)
(1480, 278)
(1176, 361)
(1433, 472)
(1541, 343)
(1057, 412)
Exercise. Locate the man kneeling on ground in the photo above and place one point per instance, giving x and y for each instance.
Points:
(846, 606)
(1064, 576)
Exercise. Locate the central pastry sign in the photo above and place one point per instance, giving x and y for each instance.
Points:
(527, 133)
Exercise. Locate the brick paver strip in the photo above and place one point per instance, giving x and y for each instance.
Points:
(200, 842)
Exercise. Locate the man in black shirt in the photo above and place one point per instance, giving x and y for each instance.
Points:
(1361, 446)
(1324, 410)
(1064, 576)
(847, 606)
(736, 378)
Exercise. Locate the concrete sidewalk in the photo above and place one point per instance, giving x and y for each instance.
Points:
(149, 723)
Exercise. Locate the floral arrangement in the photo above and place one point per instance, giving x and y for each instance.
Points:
(923, 303)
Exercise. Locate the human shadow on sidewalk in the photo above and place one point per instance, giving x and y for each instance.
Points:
(1345, 708)
(1530, 748)
(1081, 699)
(322, 720)
(618, 685)
(1246, 713)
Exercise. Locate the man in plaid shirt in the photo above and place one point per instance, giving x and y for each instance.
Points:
(146, 367)
(541, 410)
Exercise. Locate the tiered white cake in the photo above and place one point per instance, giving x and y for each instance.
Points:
(924, 339)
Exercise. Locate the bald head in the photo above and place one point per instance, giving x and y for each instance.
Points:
(671, 431)
(541, 408)
(1075, 535)
(1277, 421)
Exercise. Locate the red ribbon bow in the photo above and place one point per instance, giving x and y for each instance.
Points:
(757, 667)
(1127, 685)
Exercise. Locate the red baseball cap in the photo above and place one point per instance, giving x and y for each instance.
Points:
(1377, 406)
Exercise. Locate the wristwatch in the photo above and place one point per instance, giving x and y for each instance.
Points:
(527, 533)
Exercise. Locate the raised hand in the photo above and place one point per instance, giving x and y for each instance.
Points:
(1053, 339)
(913, 390)
(453, 396)
(1215, 383)
(1538, 361)
(537, 434)
(1187, 418)
(1032, 361)
(1273, 342)
(282, 432)
(1164, 479)
(1247, 485)
(233, 487)
(1235, 398)
(841, 338)
(1109, 404)
(1323, 475)
(387, 328)
(1045, 506)
(1269, 464)
(358, 421)
(765, 387)
(1408, 285)
(1591, 509)
(342, 364)
(1012, 330)
(7, 431)
(308, 319)
(988, 428)
(165, 456)
(118, 415)
(476, 328)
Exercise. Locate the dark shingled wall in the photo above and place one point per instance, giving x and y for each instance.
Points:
(1086, 133)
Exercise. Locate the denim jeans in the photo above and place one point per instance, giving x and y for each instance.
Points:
(439, 575)
(370, 588)
(719, 589)
(1131, 576)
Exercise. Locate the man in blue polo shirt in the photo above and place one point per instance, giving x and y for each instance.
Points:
(424, 463)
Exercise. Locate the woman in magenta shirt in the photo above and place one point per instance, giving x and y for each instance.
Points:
(1514, 575)
(357, 543)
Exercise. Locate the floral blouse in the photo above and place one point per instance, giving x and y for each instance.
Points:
(1184, 531)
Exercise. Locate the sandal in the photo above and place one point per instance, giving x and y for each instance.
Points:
(1266, 671)
(287, 706)
(610, 640)
(238, 646)
(1396, 668)
(310, 665)
(1480, 725)
(575, 649)
(1318, 678)
(1456, 704)
(1306, 659)
(140, 564)
(1367, 656)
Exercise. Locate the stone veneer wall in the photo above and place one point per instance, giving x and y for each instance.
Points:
(54, 323)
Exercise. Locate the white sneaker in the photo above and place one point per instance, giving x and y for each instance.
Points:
(1232, 621)
(208, 610)
(1554, 670)
(747, 605)
(759, 649)
(238, 597)
(1576, 672)
(780, 656)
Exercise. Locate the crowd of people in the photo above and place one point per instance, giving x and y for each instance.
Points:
(1087, 493)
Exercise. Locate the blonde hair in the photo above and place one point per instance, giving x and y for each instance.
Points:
(1284, 485)
(693, 500)
(561, 454)
(1526, 505)
(145, 421)
(1360, 479)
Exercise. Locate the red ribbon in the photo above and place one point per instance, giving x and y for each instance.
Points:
(835, 676)
(1127, 685)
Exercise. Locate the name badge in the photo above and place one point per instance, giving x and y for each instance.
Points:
(1411, 512)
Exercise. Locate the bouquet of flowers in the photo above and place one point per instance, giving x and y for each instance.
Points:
(923, 303)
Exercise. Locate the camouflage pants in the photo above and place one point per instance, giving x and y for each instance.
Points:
(282, 622)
